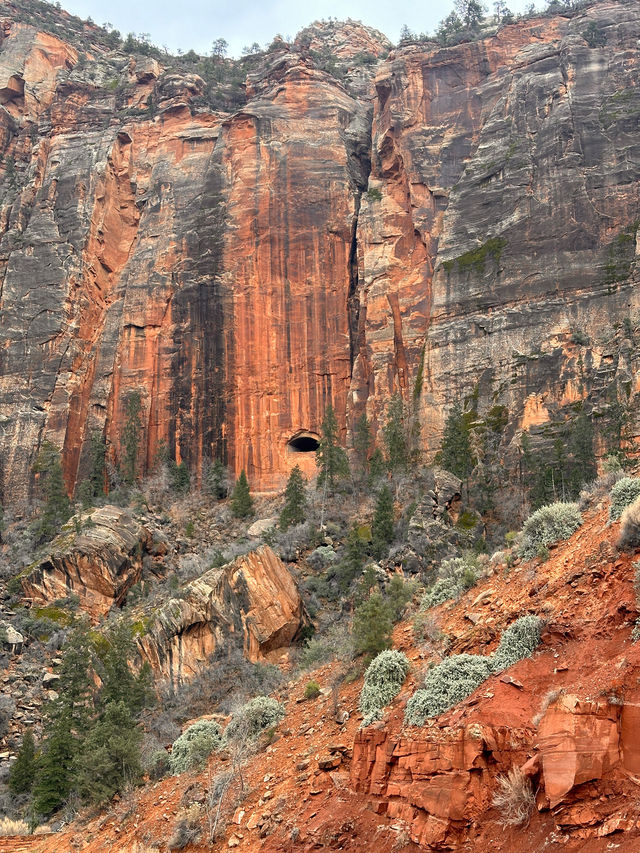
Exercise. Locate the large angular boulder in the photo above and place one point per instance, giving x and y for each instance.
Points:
(254, 598)
(99, 561)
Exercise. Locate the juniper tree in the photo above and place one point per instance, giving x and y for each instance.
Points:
(331, 459)
(372, 626)
(241, 502)
(216, 480)
(294, 510)
(110, 756)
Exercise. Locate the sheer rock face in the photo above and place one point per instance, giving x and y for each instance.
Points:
(99, 563)
(504, 177)
(254, 599)
(241, 271)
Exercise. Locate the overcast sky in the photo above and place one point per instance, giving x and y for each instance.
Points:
(194, 24)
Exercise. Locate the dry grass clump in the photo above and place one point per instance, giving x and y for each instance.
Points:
(515, 798)
(13, 827)
(549, 698)
(629, 536)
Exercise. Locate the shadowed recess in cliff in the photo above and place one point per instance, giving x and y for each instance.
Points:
(303, 442)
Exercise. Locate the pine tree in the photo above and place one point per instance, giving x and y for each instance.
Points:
(67, 721)
(23, 769)
(331, 459)
(471, 12)
(119, 684)
(216, 480)
(110, 756)
(395, 440)
(382, 527)
(362, 441)
(294, 510)
(131, 435)
(377, 466)
(455, 451)
(97, 463)
(57, 507)
(241, 502)
(372, 626)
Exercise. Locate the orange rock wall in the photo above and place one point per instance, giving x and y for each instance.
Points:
(240, 271)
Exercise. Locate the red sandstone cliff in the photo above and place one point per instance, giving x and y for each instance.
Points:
(242, 269)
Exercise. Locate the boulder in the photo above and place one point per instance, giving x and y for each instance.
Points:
(99, 562)
(254, 597)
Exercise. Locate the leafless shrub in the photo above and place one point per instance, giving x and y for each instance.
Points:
(592, 493)
(629, 536)
(187, 829)
(515, 798)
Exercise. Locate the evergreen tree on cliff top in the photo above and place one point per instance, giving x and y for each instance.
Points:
(331, 459)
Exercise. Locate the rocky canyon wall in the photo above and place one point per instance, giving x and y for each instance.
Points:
(444, 222)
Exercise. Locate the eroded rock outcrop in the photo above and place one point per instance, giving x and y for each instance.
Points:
(254, 599)
(99, 562)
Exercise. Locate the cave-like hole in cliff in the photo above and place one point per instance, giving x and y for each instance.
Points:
(303, 442)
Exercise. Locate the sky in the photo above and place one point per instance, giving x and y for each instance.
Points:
(195, 24)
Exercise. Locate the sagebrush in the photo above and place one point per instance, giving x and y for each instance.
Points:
(445, 685)
(195, 745)
(548, 525)
(622, 494)
(383, 679)
(518, 641)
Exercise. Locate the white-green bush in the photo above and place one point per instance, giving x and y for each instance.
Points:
(623, 493)
(383, 679)
(549, 524)
(518, 641)
(445, 685)
(455, 575)
(255, 716)
(443, 589)
(194, 746)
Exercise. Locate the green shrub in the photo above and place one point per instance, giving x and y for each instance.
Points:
(623, 493)
(312, 690)
(255, 716)
(445, 685)
(454, 577)
(159, 765)
(382, 682)
(443, 589)
(519, 641)
(547, 525)
(195, 745)
(372, 625)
